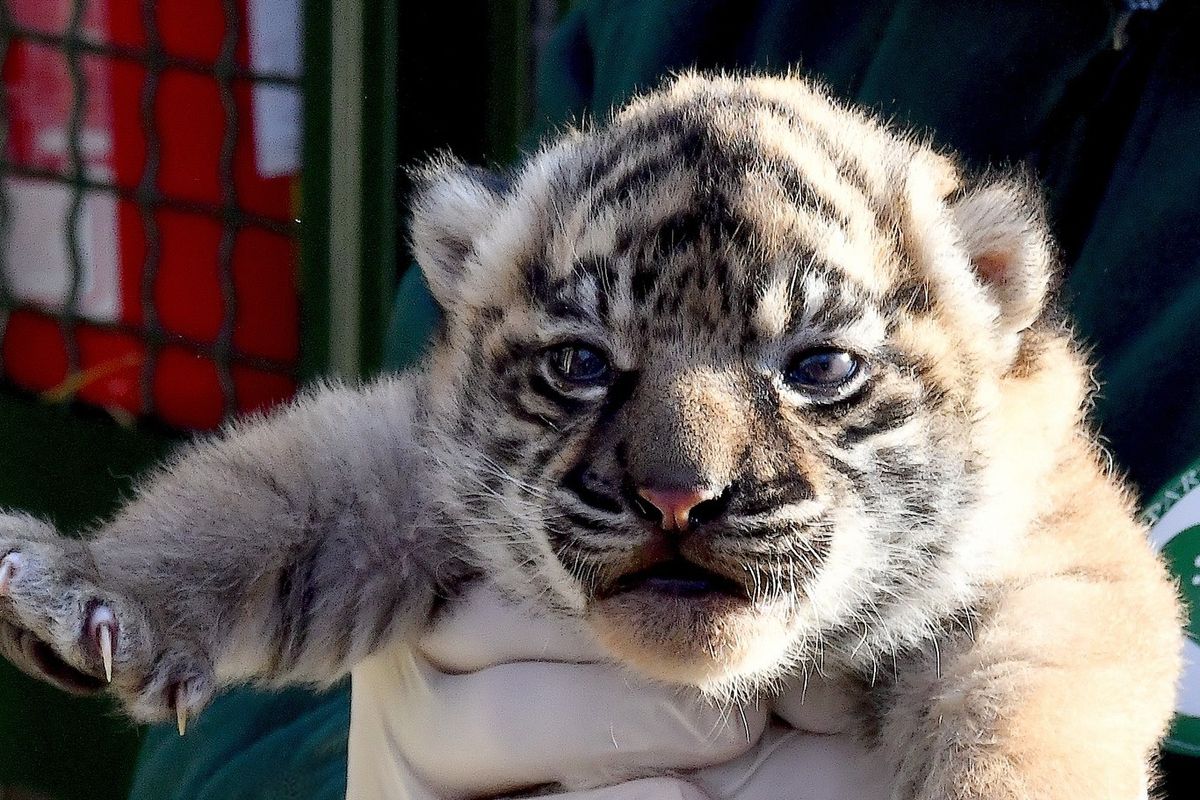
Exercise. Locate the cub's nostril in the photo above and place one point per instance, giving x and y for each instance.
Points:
(709, 510)
(645, 509)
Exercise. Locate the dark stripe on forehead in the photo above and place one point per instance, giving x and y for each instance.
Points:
(816, 137)
(679, 137)
(629, 160)
(616, 147)
(720, 161)
(655, 251)
(677, 232)
(625, 188)
(722, 155)
(843, 305)
(913, 296)
(798, 190)
(539, 281)
(558, 295)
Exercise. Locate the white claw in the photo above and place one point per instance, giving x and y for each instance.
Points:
(103, 625)
(105, 634)
(8, 568)
(181, 709)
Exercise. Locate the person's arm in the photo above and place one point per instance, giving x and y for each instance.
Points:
(283, 551)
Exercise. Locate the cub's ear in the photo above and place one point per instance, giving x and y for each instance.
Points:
(452, 204)
(1002, 225)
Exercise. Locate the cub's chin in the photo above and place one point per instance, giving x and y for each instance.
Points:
(682, 624)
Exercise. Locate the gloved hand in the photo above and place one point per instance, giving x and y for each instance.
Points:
(495, 700)
(790, 764)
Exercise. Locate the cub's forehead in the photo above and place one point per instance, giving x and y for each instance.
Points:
(732, 207)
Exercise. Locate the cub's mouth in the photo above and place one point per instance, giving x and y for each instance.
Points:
(677, 577)
(674, 619)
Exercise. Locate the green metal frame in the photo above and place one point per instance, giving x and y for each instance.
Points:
(352, 211)
(510, 68)
(380, 216)
(348, 187)
(314, 191)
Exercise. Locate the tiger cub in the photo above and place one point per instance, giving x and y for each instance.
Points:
(743, 379)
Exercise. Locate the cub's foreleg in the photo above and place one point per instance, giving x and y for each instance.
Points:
(281, 552)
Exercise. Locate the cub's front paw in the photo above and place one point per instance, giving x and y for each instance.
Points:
(59, 622)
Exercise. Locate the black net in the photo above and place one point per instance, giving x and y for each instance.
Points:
(145, 264)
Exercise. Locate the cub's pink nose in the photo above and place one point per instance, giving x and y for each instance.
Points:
(675, 505)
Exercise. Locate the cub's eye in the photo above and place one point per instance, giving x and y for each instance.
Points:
(578, 364)
(821, 369)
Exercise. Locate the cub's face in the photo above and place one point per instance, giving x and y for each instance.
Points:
(718, 377)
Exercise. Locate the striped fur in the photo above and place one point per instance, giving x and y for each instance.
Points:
(940, 537)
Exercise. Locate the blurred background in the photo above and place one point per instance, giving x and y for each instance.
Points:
(202, 203)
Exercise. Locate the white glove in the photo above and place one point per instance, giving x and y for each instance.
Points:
(497, 700)
(790, 764)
